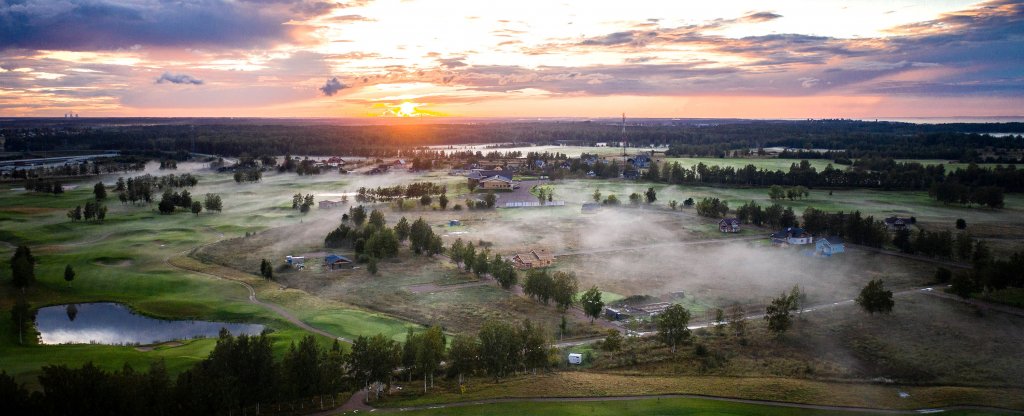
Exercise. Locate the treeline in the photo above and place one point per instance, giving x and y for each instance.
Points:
(388, 193)
(853, 227)
(480, 262)
(686, 138)
(142, 188)
(94, 167)
(44, 186)
(242, 376)
(900, 176)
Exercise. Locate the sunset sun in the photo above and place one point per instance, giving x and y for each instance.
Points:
(407, 109)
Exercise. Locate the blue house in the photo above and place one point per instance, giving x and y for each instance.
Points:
(829, 246)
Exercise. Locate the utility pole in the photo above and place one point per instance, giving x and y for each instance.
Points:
(624, 144)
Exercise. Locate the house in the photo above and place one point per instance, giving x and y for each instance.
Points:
(640, 161)
(296, 262)
(601, 144)
(330, 204)
(631, 174)
(729, 225)
(533, 259)
(792, 236)
(829, 245)
(590, 207)
(334, 262)
(380, 169)
(897, 223)
(615, 314)
(495, 182)
(478, 174)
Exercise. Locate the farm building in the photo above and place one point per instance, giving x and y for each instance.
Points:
(829, 246)
(296, 262)
(729, 225)
(330, 204)
(533, 259)
(898, 223)
(334, 262)
(792, 236)
(495, 182)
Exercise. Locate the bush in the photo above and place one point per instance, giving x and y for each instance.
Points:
(700, 350)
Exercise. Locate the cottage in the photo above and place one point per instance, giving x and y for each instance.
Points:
(792, 236)
(896, 223)
(330, 204)
(828, 246)
(495, 182)
(533, 259)
(334, 262)
(729, 225)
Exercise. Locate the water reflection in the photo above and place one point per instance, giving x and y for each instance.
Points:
(116, 324)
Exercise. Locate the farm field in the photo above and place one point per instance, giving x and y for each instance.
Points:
(653, 406)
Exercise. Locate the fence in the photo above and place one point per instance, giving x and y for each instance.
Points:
(523, 204)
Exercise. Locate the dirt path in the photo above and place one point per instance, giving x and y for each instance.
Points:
(276, 309)
(679, 396)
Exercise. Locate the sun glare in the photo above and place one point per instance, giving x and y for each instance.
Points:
(407, 109)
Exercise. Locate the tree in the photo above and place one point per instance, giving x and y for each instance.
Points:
(597, 195)
(197, 207)
(672, 325)
(101, 213)
(402, 229)
(962, 285)
(688, 202)
(613, 341)
(266, 269)
(213, 203)
(534, 346)
(776, 192)
(430, 353)
(673, 204)
(538, 285)
(651, 195)
(426, 200)
(943, 275)
(634, 198)
(874, 298)
(371, 266)
(357, 214)
(99, 191)
(592, 304)
(541, 194)
(376, 219)
(490, 199)
(23, 315)
(777, 314)
(500, 348)
(463, 356)
(737, 320)
(563, 289)
(961, 224)
(69, 274)
(23, 268)
(166, 205)
(443, 201)
(611, 200)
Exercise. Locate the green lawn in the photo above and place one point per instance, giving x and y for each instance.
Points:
(662, 406)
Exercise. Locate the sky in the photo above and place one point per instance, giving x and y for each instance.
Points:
(523, 58)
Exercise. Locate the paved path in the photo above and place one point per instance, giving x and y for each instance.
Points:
(273, 307)
(685, 396)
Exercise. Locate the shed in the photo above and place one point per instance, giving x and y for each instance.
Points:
(575, 358)
(454, 223)
(297, 262)
(334, 262)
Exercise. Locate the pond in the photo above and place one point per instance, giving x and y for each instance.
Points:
(116, 324)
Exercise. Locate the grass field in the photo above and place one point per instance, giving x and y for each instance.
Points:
(655, 406)
(125, 259)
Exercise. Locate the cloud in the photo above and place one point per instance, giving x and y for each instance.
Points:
(108, 24)
(178, 79)
(332, 87)
(807, 82)
(760, 17)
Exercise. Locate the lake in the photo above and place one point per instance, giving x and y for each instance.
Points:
(117, 324)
